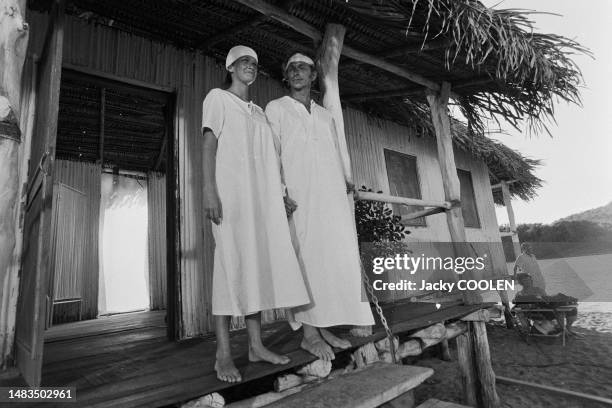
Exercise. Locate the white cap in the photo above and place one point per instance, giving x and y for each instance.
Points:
(298, 57)
(237, 52)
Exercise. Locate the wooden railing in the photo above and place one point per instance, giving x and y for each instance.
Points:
(434, 207)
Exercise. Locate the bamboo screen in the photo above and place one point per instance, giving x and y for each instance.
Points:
(84, 177)
(69, 218)
(157, 240)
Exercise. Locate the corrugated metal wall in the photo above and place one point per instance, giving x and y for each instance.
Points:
(192, 75)
(157, 240)
(85, 177)
(367, 138)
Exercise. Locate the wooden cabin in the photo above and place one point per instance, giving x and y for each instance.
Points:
(109, 121)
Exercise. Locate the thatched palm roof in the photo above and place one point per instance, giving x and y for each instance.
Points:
(504, 163)
(497, 65)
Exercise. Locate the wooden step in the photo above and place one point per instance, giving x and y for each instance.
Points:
(369, 387)
(434, 403)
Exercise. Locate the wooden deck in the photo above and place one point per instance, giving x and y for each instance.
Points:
(127, 360)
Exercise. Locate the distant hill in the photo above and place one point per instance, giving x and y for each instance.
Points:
(600, 215)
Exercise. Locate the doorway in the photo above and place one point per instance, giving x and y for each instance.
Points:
(114, 150)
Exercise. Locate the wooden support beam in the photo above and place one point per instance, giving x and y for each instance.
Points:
(230, 31)
(498, 185)
(465, 358)
(329, 58)
(407, 50)
(423, 213)
(445, 354)
(438, 103)
(102, 115)
(280, 15)
(306, 29)
(112, 77)
(482, 315)
(561, 391)
(410, 91)
(403, 92)
(416, 49)
(241, 26)
(389, 67)
(516, 246)
(508, 203)
(486, 376)
(404, 32)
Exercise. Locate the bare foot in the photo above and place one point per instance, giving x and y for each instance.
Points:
(226, 370)
(317, 346)
(335, 341)
(361, 331)
(260, 353)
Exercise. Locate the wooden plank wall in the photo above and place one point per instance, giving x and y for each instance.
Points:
(191, 75)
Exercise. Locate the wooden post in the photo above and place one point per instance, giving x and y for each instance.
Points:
(465, 357)
(102, 125)
(445, 351)
(14, 34)
(329, 58)
(486, 376)
(511, 219)
(438, 103)
(503, 294)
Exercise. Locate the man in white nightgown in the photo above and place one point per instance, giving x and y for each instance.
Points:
(322, 226)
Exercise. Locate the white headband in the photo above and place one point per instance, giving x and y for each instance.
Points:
(238, 52)
(297, 57)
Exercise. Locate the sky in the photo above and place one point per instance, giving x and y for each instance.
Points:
(577, 160)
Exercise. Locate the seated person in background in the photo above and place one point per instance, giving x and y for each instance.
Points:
(527, 263)
(534, 297)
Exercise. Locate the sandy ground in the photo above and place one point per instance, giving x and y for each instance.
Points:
(583, 365)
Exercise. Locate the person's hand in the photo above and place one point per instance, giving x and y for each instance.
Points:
(290, 205)
(212, 206)
(350, 187)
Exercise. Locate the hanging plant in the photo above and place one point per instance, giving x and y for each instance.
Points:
(376, 222)
(380, 232)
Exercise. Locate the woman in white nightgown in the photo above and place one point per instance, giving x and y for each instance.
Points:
(255, 266)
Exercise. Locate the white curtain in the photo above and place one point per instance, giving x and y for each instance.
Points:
(124, 265)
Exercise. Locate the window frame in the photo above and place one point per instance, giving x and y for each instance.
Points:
(416, 222)
(478, 224)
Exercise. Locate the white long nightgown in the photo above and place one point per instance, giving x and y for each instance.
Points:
(255, 266)
(322, 226)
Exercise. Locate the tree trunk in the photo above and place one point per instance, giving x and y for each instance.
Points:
(13, 46)
(438, 103)
(329, 58)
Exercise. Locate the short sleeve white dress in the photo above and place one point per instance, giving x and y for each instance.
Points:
(255, 266)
